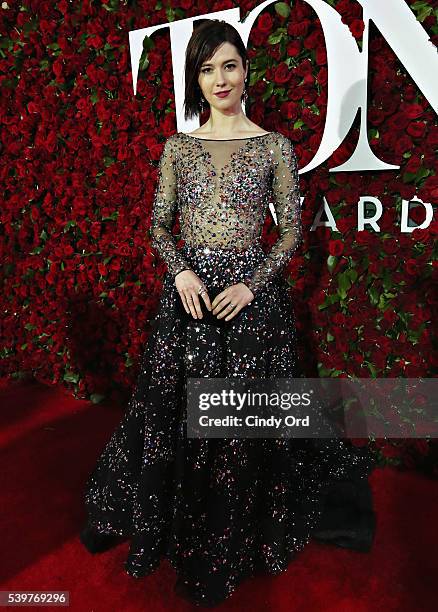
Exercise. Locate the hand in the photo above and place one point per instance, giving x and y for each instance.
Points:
(239, 295)
(187, 284)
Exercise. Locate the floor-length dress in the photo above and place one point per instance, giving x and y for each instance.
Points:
(222, 509)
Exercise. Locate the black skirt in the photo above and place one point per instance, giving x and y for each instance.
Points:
(221, 510)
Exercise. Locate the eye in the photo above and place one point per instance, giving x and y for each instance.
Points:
(205, 70)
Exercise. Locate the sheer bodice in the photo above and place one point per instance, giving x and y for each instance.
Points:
(222, 190)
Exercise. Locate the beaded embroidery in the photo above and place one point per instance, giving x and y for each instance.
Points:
(222, 190)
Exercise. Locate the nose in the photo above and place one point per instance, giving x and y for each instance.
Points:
(220, 78)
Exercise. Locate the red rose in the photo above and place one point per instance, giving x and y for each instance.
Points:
(376, 116)
(322, 79)
(298, 28)
(264, 23)
(413, 164)
(282, 74)
(339, 318)
(344, 224)
(321, 56)
(402, 144)
(336, 247)
(358, 358)
(357, 27)
(412, 111)
(293, 48)
(411, 267)
(416, 129)
(390, 245)
(390, 317)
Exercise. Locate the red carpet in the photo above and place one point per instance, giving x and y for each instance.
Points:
(49, 444)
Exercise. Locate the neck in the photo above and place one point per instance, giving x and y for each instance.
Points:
(221, 124)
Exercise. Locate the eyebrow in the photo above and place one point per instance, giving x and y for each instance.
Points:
(225, 62)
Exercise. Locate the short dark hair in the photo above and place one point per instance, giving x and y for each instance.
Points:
(205, 39)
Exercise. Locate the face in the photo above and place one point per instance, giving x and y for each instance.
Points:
(224, 71)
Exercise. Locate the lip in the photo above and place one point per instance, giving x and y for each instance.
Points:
(222, 94)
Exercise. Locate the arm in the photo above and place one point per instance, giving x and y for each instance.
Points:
(286, 190)
(163, 214)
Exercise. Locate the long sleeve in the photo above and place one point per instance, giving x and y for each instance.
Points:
(164, 211)
(286, 191)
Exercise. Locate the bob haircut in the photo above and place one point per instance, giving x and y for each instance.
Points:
(204, 41)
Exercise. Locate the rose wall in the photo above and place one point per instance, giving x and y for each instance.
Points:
(80, 282)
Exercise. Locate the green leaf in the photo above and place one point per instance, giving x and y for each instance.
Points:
(329, 301)
(335, 373)
(383, 303)
(71, 377)
(424, 13)
(107, 160)
(352, 275)
(417, 6)
(69, 224)
(170, 14)
(386, 279)
(268, 92)
(322, 371)
(112, 217)
(332, 260)
(374, 296)
(144, 63)
(372, 369)
(423, 172)
(344, 284)
(275, 38)
(282, 9)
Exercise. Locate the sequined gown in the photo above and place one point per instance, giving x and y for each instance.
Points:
(221, 510)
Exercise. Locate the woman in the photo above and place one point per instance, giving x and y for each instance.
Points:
(221, 509)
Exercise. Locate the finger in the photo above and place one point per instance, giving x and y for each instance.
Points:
(190, 306)
(206, 299)
(221, 303)
(197, 305)
(219, 298)
(227, 310)
(234, 312)
(185, 302)
(204, 295)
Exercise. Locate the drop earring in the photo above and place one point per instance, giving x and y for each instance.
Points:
(201, 104)
(244, 96)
